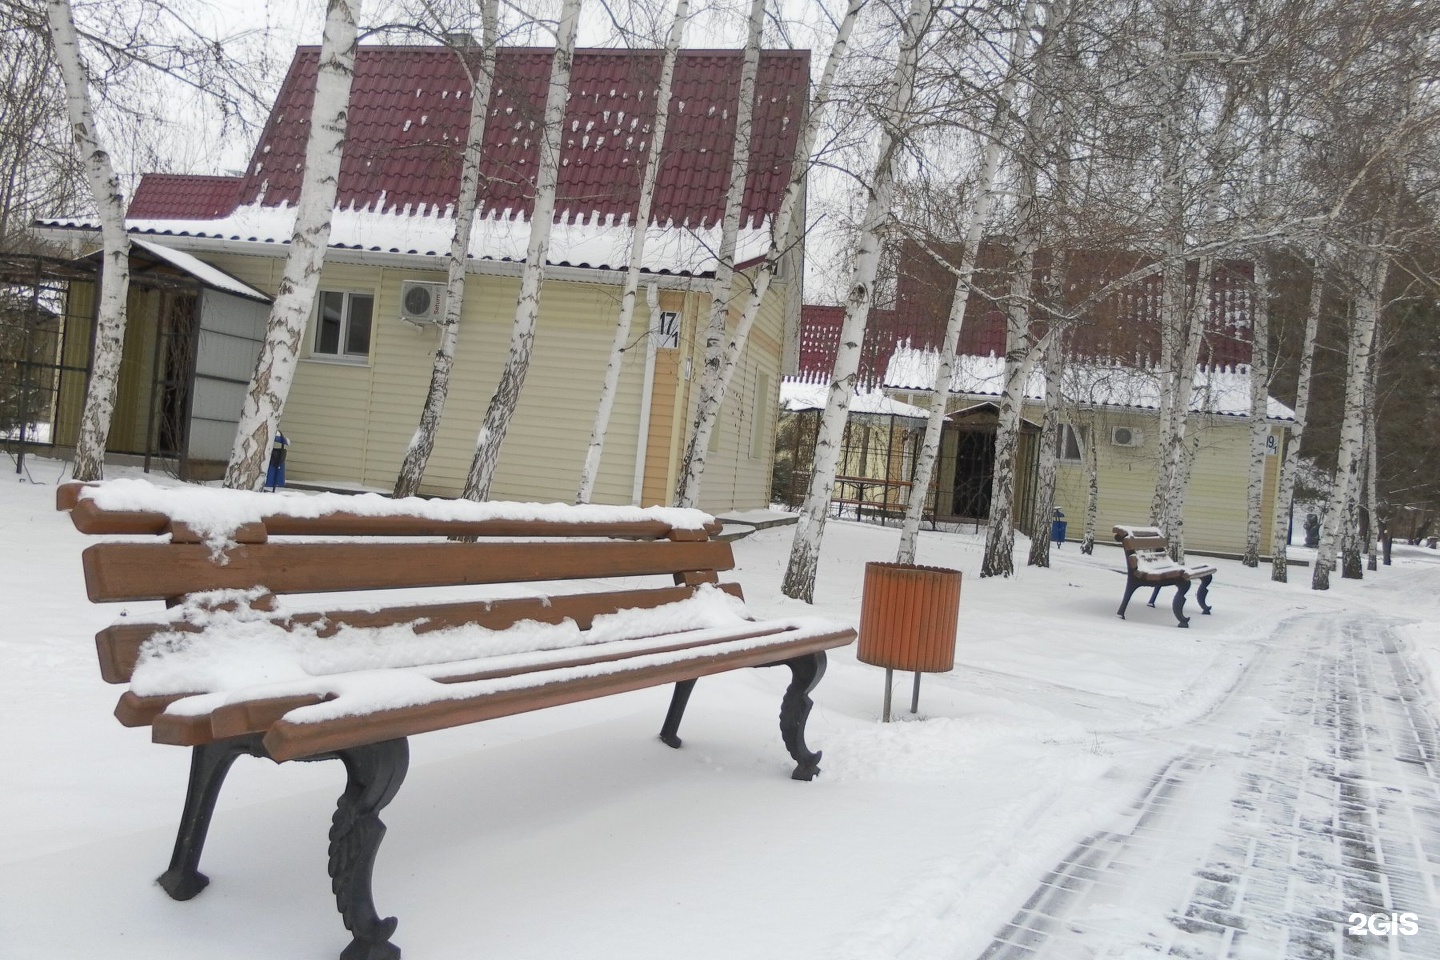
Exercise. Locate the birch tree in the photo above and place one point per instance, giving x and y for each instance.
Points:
(1089, 450)
(1049, 442)
(799, 581)
(1259, 408)
(964, 283)
(1290, 465)
(115, 256)
(1021, 348)
(1372, 444)
(781, 234)
(275, 368)
(707, 408)
(640, 226)
(481, 75)
(1372, 274)
(527, 305)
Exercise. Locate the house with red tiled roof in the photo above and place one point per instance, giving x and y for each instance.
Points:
(364, 370)
(1109, 391)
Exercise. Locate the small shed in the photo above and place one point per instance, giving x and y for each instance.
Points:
(192, 336)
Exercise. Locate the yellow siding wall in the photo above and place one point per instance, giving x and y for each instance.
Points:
(734, 480)
(350, 423)
(1215, 505)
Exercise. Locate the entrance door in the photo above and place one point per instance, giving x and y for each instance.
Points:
(974, 466)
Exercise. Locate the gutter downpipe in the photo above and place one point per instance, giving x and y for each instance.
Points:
(642, 443)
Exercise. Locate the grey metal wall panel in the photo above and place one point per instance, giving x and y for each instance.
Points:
(231, 332)
(227, 357)
(211, 439)
(235, 316)
(217, 400)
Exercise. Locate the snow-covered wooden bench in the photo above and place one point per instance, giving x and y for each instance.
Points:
(233, 669)
(1147, 564)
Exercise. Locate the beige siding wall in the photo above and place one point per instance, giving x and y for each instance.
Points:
(1215, 504)
(350, 423)
(735, 480)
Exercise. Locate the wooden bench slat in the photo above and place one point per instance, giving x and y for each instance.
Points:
(258, 716)
(88, 517)
(288, 740)
(158, 571)
(118, 645)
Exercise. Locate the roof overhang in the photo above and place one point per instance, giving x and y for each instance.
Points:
(81, 234)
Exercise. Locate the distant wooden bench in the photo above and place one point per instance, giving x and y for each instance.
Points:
(1147, 564)
(232, 670)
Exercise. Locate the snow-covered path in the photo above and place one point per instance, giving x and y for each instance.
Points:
(1310, 794)
(572, 833)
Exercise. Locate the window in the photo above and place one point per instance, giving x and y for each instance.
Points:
(342, 325)
(1072, 443)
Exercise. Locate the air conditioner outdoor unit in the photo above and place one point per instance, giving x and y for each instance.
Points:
(1126, 437)
(422, 303)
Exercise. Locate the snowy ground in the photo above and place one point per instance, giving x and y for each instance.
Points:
(1040, 764)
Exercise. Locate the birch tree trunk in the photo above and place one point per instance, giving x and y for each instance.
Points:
(1049, 441)
(417, 455)
(527, 305)
(115, 256)
(1290, 465)
(1259, 408)
(275, 368)
(1372, 443)
(1348, 457)
(1092, 488)
(1020, 351)
(707, 407)
(960, 298)
(799, 582)
(1172, 284)
(640, 225)
(1178, 453)
(693, 471)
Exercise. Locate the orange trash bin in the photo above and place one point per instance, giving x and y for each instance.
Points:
(908, 618)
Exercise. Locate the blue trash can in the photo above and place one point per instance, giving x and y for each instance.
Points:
(1057, 527)
(275, 473)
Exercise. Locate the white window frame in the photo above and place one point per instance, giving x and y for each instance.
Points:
(341, 355)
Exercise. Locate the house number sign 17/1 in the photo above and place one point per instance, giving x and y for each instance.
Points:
(1383, 924)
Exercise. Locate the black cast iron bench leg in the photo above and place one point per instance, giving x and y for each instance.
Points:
(1131, 585)
(374, 773)
(1155, 594)
(209, 763)
(1178, 604)
(805, 671)
(1203, 591)
(670, 732)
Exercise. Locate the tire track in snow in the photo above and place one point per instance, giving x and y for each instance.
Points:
(1318, 798)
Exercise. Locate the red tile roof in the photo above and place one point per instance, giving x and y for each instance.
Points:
(409, 116)
(1124, 326)
(164, 196)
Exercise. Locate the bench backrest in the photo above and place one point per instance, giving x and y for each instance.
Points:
(1142, 545)
(361, 553)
